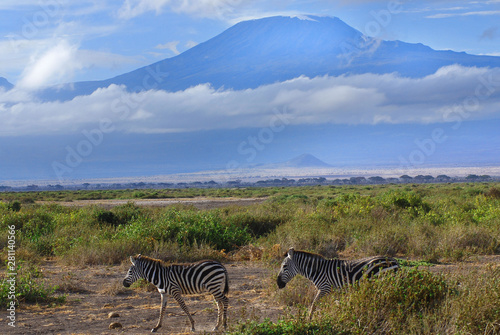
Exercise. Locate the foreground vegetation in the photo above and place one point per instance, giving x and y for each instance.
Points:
(409, 302)
(431, 223)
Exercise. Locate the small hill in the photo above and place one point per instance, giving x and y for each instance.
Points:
(302, 161)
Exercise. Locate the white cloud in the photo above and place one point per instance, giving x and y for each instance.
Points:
(201, 8)
(45, 62)
(53, 66)
(190, 44)
(472, 13)
(172, 46)
(451, 92)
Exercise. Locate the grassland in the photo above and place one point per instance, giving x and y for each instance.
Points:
(427, 224)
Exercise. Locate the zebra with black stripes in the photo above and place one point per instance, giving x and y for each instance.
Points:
(330, 273)
(177, 279)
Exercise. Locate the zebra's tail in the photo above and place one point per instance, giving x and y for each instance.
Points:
(226, 286)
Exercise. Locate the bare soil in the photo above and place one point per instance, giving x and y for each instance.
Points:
(92, 293)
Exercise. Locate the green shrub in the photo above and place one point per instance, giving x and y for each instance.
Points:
(289, 326)
(126, 213)
(29, 287)
(14, 206)
(394, 303)
(189, 227)
(476, 306)
(105, 216)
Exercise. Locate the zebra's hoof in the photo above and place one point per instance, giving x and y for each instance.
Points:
(154, 330)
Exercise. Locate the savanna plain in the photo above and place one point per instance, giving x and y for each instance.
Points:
(72, 252)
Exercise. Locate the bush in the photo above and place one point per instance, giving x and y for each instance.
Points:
(105, 217)
(126, 213)
(30, 288)
(187, 228)
(289, 326)
(15, 206)
(476, 306)
(389, 304)
(493, 193)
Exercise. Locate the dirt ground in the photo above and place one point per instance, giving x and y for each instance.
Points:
(94, 292)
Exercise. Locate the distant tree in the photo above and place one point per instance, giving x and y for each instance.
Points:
(376, 179)
(424, 178)
(405, 177)
(357, 180)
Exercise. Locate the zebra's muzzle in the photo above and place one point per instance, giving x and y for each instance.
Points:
(126, 283)
(280, 282)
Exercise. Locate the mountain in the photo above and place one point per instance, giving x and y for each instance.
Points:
(263, 51)
(302, 161)
(4, 83)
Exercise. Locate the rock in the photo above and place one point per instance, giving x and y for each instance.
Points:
(113, 315)
(114, 325)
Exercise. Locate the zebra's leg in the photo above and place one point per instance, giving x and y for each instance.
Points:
(162, 311)
(225, 304)
(177, 296)
(222, 303)
(219, 314)
(319, 295)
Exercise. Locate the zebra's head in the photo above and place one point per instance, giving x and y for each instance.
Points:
(288, 269)
(134, 273)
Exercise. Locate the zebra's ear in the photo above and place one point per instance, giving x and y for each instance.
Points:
(291, 251)
(132, 260)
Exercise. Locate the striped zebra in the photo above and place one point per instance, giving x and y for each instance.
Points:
(330, 273)
(177, 279)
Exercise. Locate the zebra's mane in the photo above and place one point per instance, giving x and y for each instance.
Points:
(150, 260)
(313, 256)
(165, 264)
(310, 254)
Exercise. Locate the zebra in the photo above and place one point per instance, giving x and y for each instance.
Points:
(177, 279)
(330, 273)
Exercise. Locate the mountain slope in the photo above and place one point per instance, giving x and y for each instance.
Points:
(258, 52)
(303, 161)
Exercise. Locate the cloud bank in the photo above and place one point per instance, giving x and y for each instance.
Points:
(453, 92)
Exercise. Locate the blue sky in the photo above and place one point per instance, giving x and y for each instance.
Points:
(45, 42)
